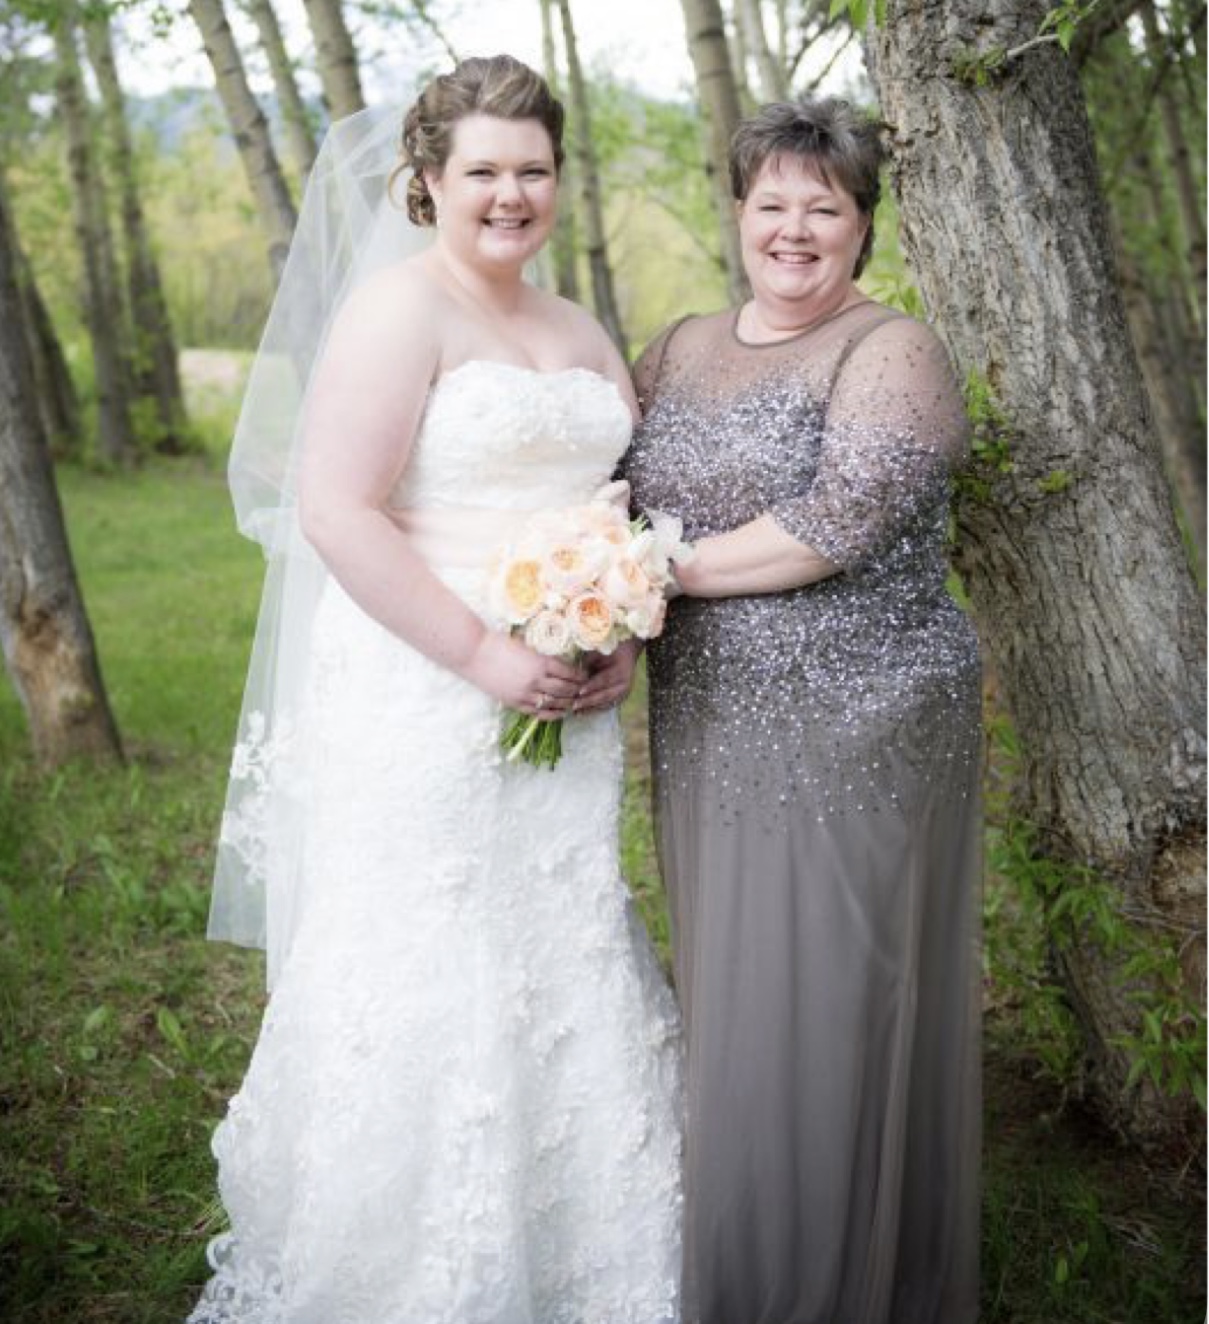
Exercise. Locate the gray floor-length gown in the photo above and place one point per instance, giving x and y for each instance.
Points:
(816, 758)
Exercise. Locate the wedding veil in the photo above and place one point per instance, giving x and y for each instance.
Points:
(347, 228)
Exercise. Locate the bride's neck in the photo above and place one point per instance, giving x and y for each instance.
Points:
(495, 292)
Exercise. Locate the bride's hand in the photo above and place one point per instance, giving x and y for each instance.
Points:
(523, 679)
(609, 678)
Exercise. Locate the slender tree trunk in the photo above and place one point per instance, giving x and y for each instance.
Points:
(750, 21)
(1180, 426)
(566, 270)
(604, 299)
(157, 376)
(293, 110)
(336, 57)
(46, 638)
(103, 309)
(719, 99)
(1070, 553)
(58, 404)
(251, 131)
(1192, 210)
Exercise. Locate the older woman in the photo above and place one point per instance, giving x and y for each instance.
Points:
(816, 736)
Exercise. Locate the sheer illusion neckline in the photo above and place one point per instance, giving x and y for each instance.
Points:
(797, 335)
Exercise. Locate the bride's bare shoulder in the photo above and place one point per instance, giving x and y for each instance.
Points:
(401, 300)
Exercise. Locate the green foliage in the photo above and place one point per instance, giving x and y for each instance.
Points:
(857, 12)
(979, 67)
(1064, 19)
(661, 226)
(992, 436)
(1064, 905)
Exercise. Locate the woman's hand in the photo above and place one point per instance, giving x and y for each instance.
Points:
(522, 679)
(609, 678)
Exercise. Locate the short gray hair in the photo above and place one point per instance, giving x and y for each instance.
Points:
(826, 134)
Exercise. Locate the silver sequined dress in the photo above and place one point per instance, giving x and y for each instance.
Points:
(816, 758)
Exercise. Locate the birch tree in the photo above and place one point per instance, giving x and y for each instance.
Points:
(157, 375)
(719, 98)
(298, 132)
(103, 309)
(44, 632)
(604, 300)
(249, 129)
(566, 268)
(772, 72)
(336, 58)
(1068, 546)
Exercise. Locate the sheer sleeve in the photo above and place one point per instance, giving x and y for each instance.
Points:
(647, 369)
(895, 430)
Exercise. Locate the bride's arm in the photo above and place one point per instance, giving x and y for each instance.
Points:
(366, 403)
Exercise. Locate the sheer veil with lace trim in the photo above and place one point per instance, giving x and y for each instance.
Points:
(348, 228)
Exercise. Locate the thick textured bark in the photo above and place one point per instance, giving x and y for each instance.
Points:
(103, 310)
(58, 404)
(566, 269)
(47, 642)
(1192, 207)
(719, 99)
(156, 373)
(297, 123)
(604, 300)
(336, 57)
(1070, 552)
(250, 129)
(774, 86)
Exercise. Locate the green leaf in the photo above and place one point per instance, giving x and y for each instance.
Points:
(171, 1029)
(96, 1018)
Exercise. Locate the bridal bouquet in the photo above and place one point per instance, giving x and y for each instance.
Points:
(577, 581)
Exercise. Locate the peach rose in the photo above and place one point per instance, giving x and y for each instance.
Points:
(519, 590)
(592, 623)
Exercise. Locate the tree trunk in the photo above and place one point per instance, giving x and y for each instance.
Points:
(251, 132)
(566, 270)
(103, 311)
(1180, 426)
(293, 110)
(719, 99)
(750, 20)
(1192, 211)
(47, 642)
(336, 58)
(1069, 548)
(58, 404)
(604, 299)
(157, 376)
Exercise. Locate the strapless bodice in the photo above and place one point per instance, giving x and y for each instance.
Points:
(496, 436)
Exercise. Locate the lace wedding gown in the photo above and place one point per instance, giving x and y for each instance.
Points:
(464, 1104)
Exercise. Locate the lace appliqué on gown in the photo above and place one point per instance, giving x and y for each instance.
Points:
(464, 1104)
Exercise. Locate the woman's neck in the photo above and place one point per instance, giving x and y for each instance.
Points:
(764, 320)
(494, 293)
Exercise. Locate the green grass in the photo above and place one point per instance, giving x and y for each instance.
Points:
(122, 1032)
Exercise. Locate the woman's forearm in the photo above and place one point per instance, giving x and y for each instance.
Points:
(376, 565)
(759, 557)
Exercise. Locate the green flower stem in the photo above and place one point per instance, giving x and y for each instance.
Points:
(537, 741)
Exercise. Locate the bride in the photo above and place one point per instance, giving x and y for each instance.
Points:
(463, 1107)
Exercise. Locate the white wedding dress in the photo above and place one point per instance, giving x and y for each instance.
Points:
(464, 1105)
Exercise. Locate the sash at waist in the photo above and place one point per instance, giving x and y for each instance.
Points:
(459, 537)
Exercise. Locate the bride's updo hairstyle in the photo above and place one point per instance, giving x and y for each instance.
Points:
(496, 85)
(826, 135)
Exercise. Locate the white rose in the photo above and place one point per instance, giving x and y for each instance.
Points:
(549, 634)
